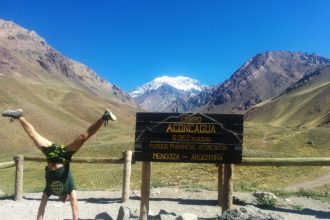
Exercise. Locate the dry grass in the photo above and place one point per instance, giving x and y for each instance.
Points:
(60, 113)
(305, 106)
(113, 141)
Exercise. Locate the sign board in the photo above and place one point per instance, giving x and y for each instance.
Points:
(189, 137)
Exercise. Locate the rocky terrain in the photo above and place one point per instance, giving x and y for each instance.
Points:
(262, 77)
(166, 203)
(304, 104)
(23, 52)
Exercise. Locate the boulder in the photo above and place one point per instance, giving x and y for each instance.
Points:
(264, 195)
(248, 213)
(265, 199)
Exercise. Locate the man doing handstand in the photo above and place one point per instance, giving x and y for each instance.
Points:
(59, 180)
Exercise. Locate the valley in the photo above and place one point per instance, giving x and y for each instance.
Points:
(284, 96)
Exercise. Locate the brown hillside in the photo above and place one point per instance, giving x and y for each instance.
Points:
(60, 96)
(262, 77)
(304, 104)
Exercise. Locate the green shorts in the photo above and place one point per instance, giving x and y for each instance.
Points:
(59, 182)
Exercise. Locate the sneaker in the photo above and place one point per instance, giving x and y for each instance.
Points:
(108, 115)
(14, 114)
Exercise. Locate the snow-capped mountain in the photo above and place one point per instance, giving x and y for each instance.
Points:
(162, 91)
(180, 83)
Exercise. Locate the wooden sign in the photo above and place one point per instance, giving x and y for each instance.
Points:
(189, 137)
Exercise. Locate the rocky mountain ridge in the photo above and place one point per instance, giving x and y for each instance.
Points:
(262, 77)
(20, 47)
(303, 104)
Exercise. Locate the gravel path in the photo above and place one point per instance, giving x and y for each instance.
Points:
(105, 205)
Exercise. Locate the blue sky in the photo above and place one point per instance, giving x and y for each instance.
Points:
(130, 42)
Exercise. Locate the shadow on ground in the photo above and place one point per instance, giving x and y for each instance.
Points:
(183, 201)
(7, 198)
(89, 200)
(315, 213)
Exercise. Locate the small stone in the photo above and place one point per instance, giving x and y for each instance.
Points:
(164, 215)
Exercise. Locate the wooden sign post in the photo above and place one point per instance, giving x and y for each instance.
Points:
(145, 190)
(187, 137)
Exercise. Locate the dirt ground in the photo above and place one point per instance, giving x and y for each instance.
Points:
(105, 205)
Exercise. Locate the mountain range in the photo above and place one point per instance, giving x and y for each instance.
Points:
(62, 95)
(262, 77)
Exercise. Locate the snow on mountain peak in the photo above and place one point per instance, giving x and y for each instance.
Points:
(180, 82)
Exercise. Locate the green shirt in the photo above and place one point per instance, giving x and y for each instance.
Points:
(57, 153)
